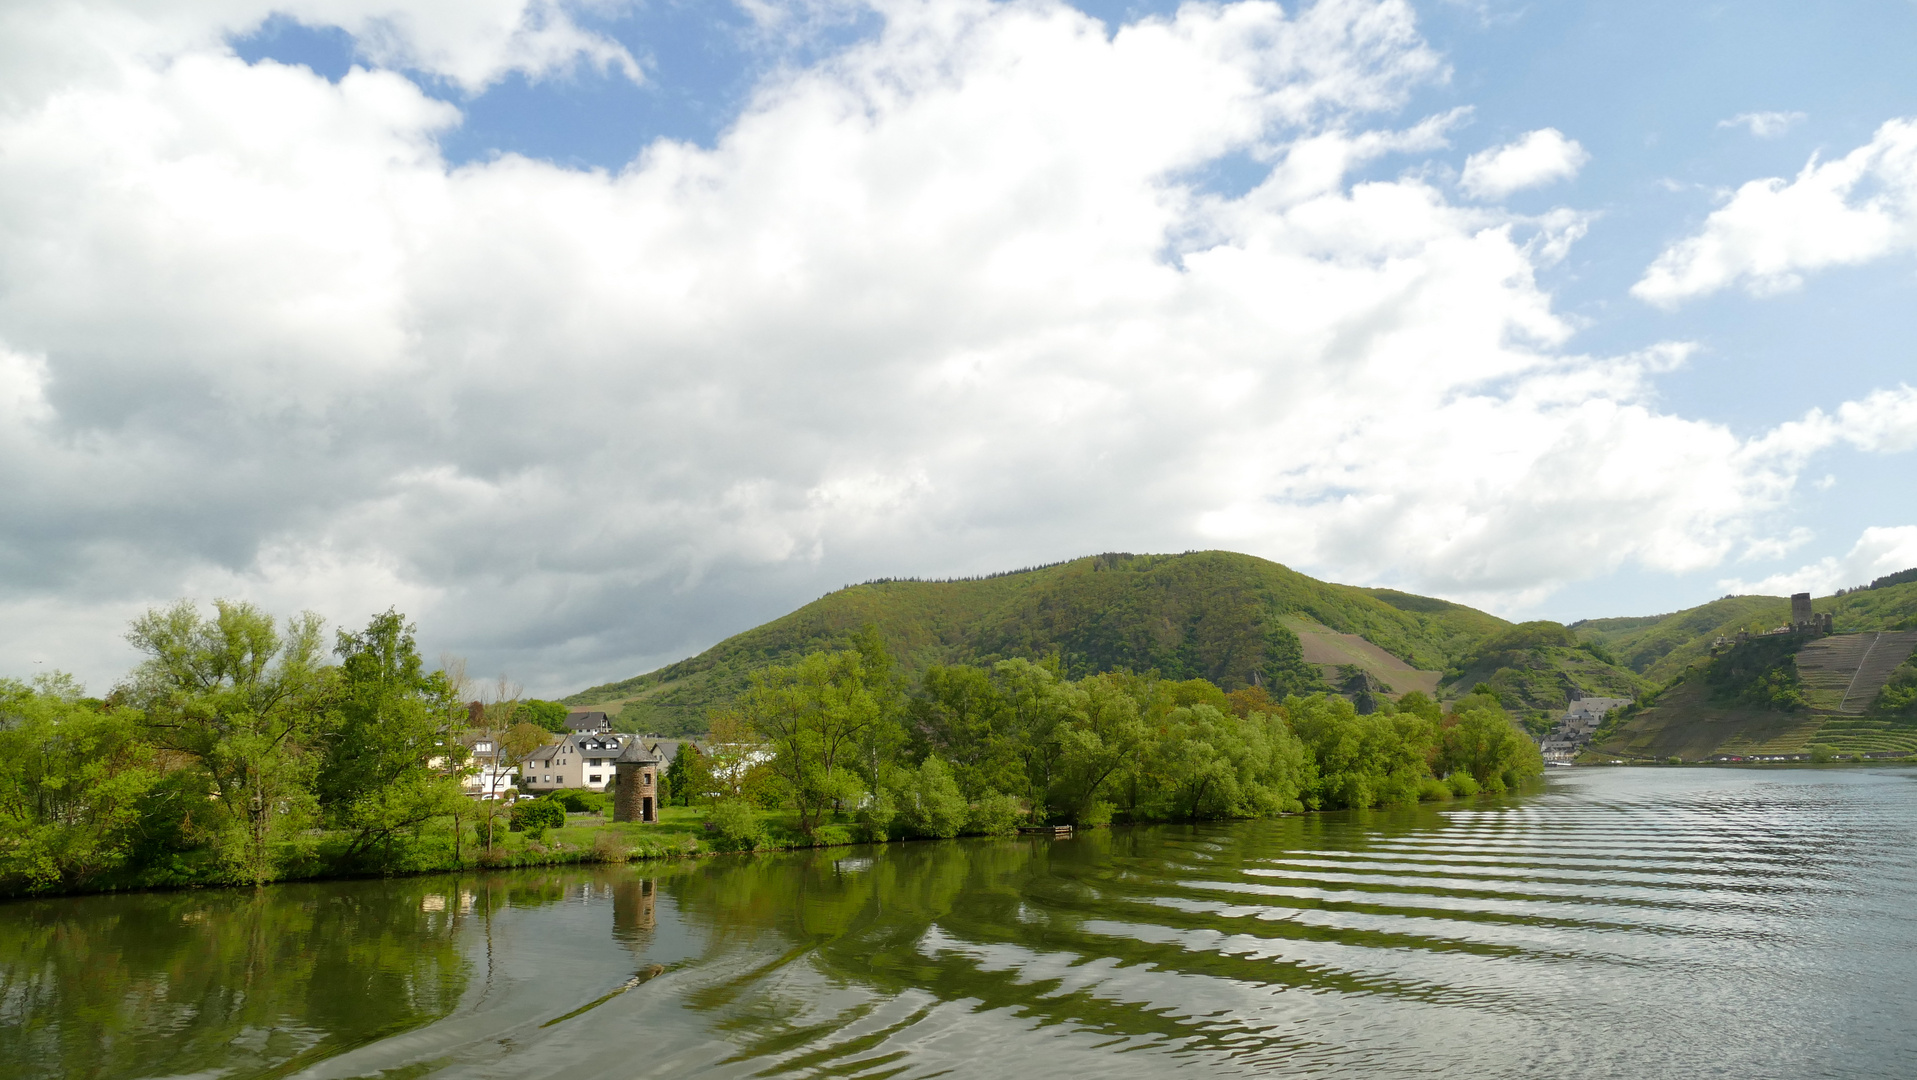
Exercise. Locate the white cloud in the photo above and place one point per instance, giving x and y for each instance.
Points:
(1536, 158)
(1880, 550)
(1764, 125)
(1885, 421)
(1860, 207)
(48, 47)
(946, 302)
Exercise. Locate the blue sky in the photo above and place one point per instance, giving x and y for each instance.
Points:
(695, 479)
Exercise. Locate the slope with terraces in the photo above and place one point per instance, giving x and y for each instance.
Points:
(1841, 675)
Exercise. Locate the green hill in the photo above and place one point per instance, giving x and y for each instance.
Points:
(1236, 619)
(1538, 667)
(1211, 614)
(1781, 695)
(1660, 647)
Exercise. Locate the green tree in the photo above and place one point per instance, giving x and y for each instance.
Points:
(1380, 759)
(1209, 763)
(1099, 734)
(960, 714)
(1036, 702)
(73, 775)
(237, 698)
(816, 716)
(391, 756)
(928, 800)
(679, 780)
(550, 715)
(1481, 740)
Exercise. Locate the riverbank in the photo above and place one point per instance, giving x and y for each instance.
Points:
(586, 839)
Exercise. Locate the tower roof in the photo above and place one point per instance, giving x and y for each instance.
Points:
(636, 753)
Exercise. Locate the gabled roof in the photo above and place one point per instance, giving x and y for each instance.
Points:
(588, 721)
(602, 743)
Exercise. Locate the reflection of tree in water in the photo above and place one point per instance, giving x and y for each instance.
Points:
(239, 982)
(960, 920)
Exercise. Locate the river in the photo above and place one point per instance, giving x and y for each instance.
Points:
(1622, 923)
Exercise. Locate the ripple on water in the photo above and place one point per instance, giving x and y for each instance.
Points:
(1637, 923)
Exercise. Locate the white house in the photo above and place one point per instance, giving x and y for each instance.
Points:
(574, 760)
(490, 779)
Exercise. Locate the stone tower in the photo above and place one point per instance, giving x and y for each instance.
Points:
(635, 784)
(1801, 614)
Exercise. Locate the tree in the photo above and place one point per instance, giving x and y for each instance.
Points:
(1356, 761)
(1480, 740)
(959, 715)
(1036, 702)
(492, 718)
(927, 799)
(73, 776)
(1099, 734)
(392, 759)
(1208, 763)
(735, 765)
(550, 715)
(238, 699)
(678, 775)
(816, 716)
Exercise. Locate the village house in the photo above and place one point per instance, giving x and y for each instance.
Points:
(588, 722)
(1575, 728)
(490, 777)
(574, 760)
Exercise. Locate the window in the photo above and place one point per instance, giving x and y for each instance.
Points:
(595, 778)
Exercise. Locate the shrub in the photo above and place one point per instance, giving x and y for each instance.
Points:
(1823, 753)
(876, 813)
(529, 814)
(610, 848)
(994, 814)
(737, 824)
(576, 801)
(1432, 789)
(1673, 760)
(1462, 784)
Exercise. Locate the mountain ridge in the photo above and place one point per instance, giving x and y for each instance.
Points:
(1204, 614)
(1236, 620)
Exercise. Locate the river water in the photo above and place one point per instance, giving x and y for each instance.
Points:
(1624, 923)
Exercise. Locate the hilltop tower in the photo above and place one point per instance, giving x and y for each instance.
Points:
(1804, 620)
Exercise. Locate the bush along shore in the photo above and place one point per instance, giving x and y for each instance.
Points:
(242, 751)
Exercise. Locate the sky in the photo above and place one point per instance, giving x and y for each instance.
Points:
(590, 333)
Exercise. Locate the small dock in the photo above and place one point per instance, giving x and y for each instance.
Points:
(1057, 832)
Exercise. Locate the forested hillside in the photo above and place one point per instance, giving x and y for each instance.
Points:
(1213, 615)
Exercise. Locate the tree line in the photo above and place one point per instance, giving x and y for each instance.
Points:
(244, 751)
(839, 739)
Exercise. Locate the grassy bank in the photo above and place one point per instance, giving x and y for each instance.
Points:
(586, 838)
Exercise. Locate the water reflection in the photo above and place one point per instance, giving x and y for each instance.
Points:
(1642, 923)
(233, 982)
